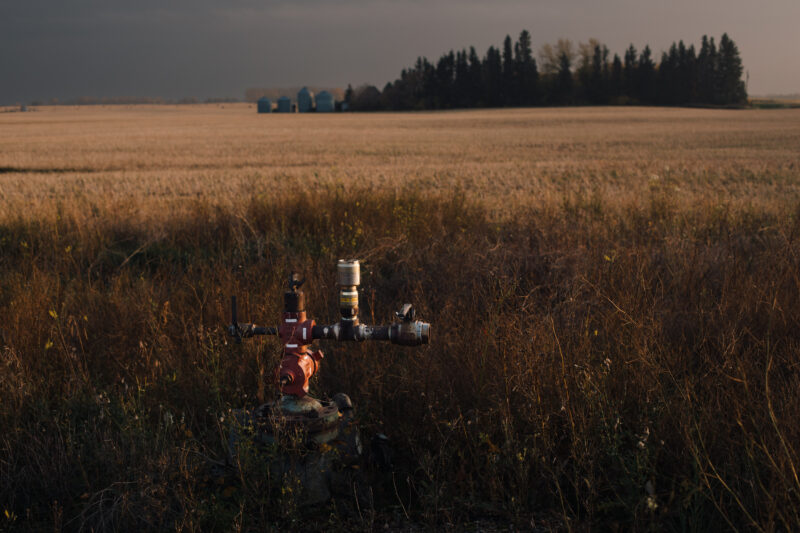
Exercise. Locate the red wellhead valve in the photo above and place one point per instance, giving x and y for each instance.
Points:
(297, 332)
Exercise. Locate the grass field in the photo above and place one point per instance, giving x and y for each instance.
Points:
(614, 295)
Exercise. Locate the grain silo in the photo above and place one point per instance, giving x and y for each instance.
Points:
(264, 105)
(325, 102)
(284, 104)
(305, 100)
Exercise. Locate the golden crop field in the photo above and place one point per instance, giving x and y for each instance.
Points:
(506, 158)
(614, 296)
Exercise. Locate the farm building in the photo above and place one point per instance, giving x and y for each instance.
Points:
(325, 102)
(264, 105)
(305, 100)
(284, 104)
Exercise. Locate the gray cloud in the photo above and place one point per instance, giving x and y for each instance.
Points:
(52, 48)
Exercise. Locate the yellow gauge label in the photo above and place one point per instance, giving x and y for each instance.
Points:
(348, 298)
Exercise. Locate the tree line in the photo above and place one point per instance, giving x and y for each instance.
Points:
(564, 75)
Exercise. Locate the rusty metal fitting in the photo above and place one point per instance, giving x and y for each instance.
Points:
(296, 369)
(410, 333)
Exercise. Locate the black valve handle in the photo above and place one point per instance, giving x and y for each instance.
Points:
(239, 331)
(235, 331)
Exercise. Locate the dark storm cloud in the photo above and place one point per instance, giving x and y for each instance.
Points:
(174, 48)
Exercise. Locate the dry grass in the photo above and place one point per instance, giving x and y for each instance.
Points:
(614, 292)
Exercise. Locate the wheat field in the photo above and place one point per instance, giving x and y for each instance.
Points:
(508, 159)
(614, 297)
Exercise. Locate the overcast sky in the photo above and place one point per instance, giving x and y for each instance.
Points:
(214, 48)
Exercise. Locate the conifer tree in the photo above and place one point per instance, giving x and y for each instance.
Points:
(645, 74)
(629, 72)
(443, 81)
(564, 84)
(617, 83)
(707, 71)
(348, 94)
(510, 76)
(527, 72)
(729, 73)
(507, 88)
(686, 74)
(476, 90)
(598, 79)
(667, 86)
(461, 84)
(492, 77)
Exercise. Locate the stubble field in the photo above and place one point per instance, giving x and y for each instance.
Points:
(614, 295)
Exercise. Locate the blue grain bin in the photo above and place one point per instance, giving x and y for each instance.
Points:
(284, 104)
(325, 102)
(305, 100)
(264, 105)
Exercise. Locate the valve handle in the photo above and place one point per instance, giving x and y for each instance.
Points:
(295, 282)
(234, 330)
(406, 313)
(240, 331)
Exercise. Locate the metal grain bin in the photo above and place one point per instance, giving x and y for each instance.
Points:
(284, 104)
(305, 100)
(264, 105)
(325, 102)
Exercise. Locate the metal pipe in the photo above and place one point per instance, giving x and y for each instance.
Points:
(403, 333)
(249, 330)
(351, 332)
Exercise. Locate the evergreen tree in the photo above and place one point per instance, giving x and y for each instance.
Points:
(667, 76)
(686, 74)
(729, 75)
(476, 89)
(348, 94)
(461, 84)
(713, 74)
(426, 96)
(598, 78)
(606, 85)
(645, 74)
(443, 81)
(702, 69)
(564, 87)
(527, 72)
(492, 77)
(390, 96)
(629, 72)
(532, 87)
(509, 67)
(404, 97)
(510, 76)
(707, 72)
(583, 74)
(617, 84)
(516, 88)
